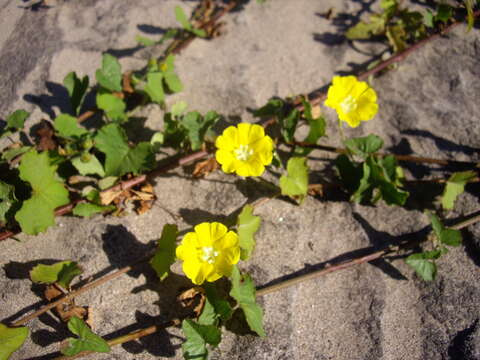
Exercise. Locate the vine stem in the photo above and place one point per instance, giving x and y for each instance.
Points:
(124, 185)
(262, 291)
(316, 97)
(406, 158)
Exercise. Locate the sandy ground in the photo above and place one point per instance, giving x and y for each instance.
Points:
(428, 106)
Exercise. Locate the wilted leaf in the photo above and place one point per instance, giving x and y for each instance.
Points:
(11, 339)
(203, 168)
(247, 225)
(37, 213)
(45, 133)
(86, 341)
(193, 298)
(243, 291)
(165, 254)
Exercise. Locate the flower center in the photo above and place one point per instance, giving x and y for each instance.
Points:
(349, 104)
(243, 152)
(208, 254)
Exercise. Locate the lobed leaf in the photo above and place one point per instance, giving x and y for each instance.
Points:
(215, 308)
(295, 183)
(165, 254)
(120, 158)
(425, 268)
(61, 272)
(109, 75)
(243, 291)
(67, 126)
(86, 341)
(37, 213)
(197, 338)
(113, 106)
(7, 200)
(16, 120)
(455, 187)
(154, 87)
(364, 146)
(11, 339)
(90, 167)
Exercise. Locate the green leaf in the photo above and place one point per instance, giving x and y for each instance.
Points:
(197, 338)
(120, 158)
(67, 126)
(274, 107)
(243, 291)
(89, 209)
(364, 146)
(179, 108)
(444, 13)
(364, 190)
(349, 172)
(437, 226)
(37, 213)
(428, 18)
(154, 87)
(107, 182)
(426, 269)
(455, 186)
(61, 272)
(165, 254)
(397, 36)
(216, 308)
(11, 339)
(182, 18)
(7, 199)
(469, 4)
(16, 120)
(113, 106)
(90, 167)
(192, 122)
(157, 140)
(86, 341)
(295, 183)
(145, 41)
(76, 90)
(173, 82)
(199, 32)
(12, 153)
(109, 75)
(289, 125)
(451, 237)
(365, 30)
(247, 225)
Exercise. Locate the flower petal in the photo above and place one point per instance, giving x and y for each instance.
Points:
(188, 248)
(203, 233)
(243, 133)
(255, 133)
(195, 271)
(228, 140)
(217, 231)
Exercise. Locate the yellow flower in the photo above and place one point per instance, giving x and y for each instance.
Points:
(245, 150)
(208, 253)
(353, 100)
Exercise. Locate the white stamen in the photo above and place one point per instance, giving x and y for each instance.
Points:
(209, 254)
(243, 152)
(349, 104)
